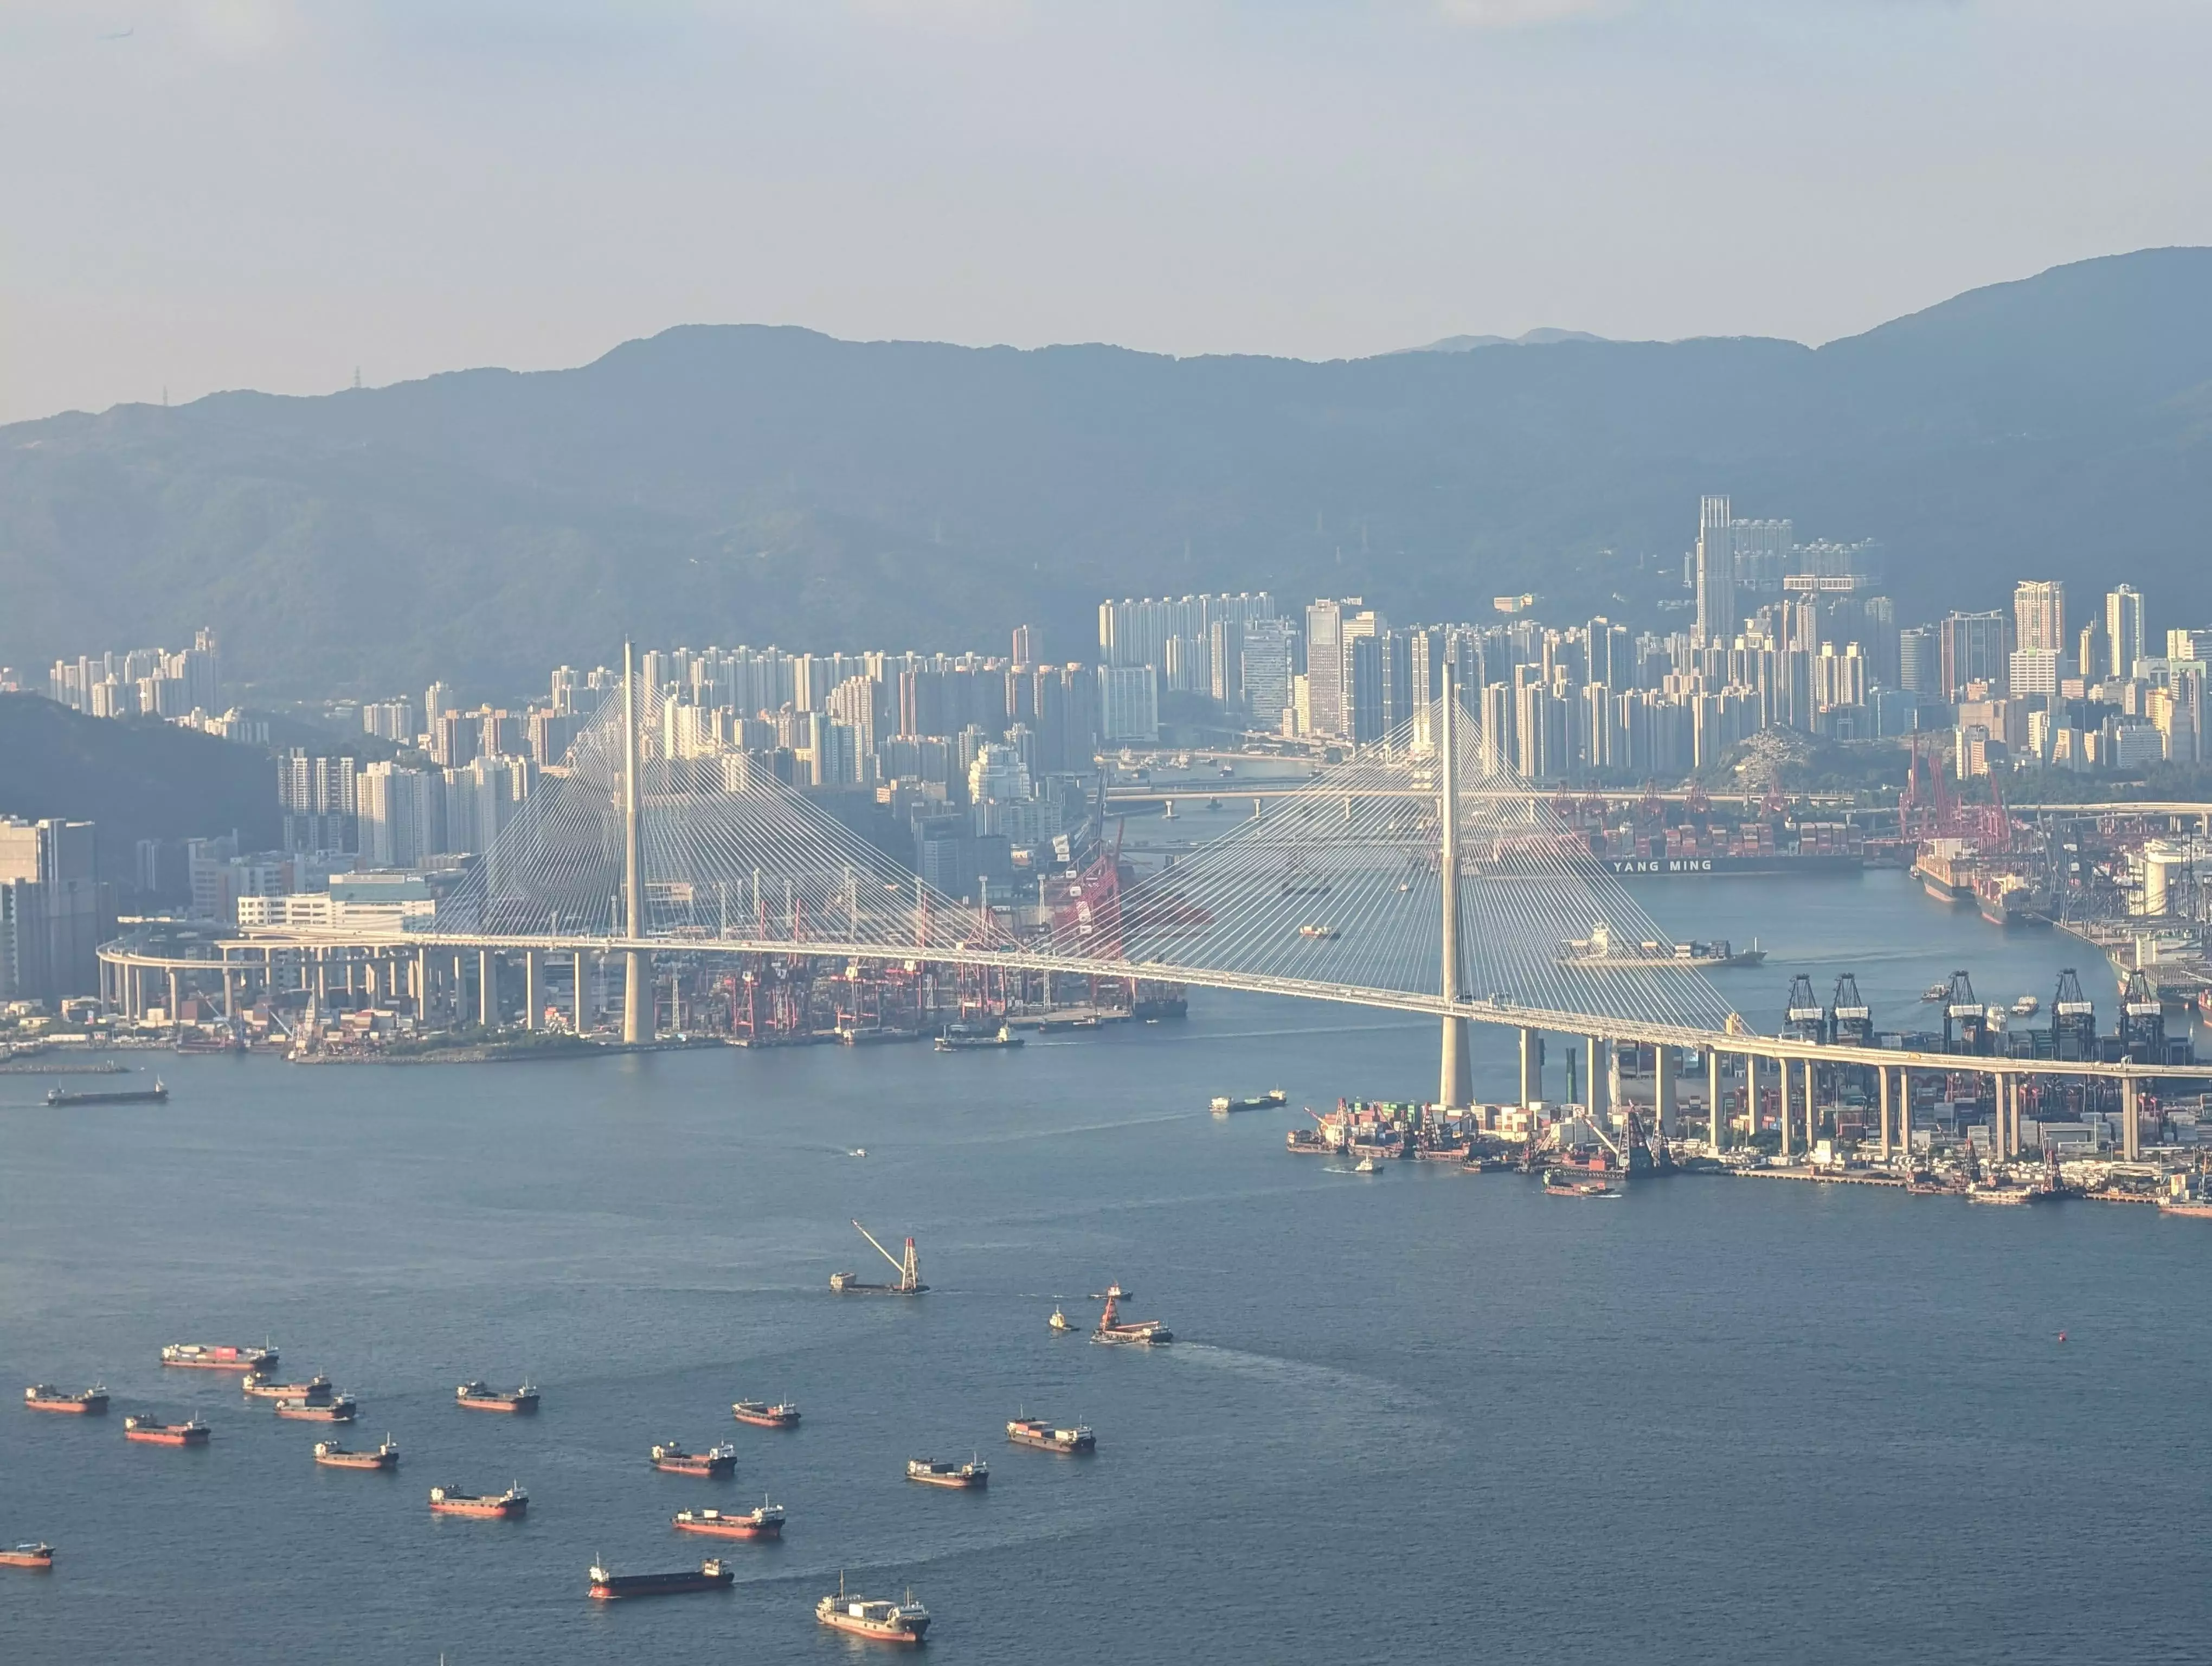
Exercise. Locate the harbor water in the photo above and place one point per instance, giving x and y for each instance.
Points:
(1424, 1416)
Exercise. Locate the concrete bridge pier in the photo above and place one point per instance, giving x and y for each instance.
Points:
(1532, 1067)
(533, 992)
(1598, 1103)
(1812, 1106)
(581, 1000)
(1882, 1084)
(487, 988)
(1716, 1103)
(1667, 1061)
(2129, 1134)
(1782, 1106)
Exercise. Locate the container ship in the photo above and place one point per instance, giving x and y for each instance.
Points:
(1039, 1433)
(1273, 1099)
(192, 1432)
(498, 1506)
(38, 1557)
(483, 1397)
(154, 1095)
(763, 1521)
(672, 1459)
(709, 1575)
(336, 1455)
(909, 1271)
(1945, 868)
(315, 1391)
(1138, 1333)
(781, 1415)
(969, 1477)
(338, 1410)
(1764, 863)
(45, 1397)
(881, 1622)
(200, 1356)
(970, 1038)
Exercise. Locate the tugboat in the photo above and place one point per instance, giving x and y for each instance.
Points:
(45, 1397)
(672, 1459)
(763, 1521)
(483, 1397)
(38, 1557)
(781, 1415)
(335, 1454)
(316, 1391)
(199, 1356)
(1141, 1333)
(606, 1587)
(974, 1038)
(1039, 1433)
(497, 1507)
(969, 1477)
(882, 1622)
(1059, 1321)
(190, 1433)
(340, 1410)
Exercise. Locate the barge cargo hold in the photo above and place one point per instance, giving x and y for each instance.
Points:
(506, 1506)
(148, 1430)
(763, 1521)
(707, 1576)
(672, 1459)
(87, 1402)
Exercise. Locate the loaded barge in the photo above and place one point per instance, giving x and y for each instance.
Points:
(157, 1094)
(715, 1461)
(709, 1576)
(45, 1397)
(763, 1521)
(201, 1356)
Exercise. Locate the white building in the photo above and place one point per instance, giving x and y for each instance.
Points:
(1128, 703)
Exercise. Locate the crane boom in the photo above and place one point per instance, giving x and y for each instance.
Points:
(880, 1250)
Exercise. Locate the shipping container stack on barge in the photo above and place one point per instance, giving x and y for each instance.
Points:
(906, 1622)
(200, 1356)
(506, 1506)
(152, 1432)
(1389, 1131)
(763, 1521)
(86, 1402)
(709, 1575)
(909, 1273)
(759, 1413)
(715, 1461)
(1041, 1433)
(474, 1396)
(972, 1476)
(336, 1455)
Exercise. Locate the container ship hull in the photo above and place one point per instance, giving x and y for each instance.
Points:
(609, 1588)
(1721, 868)
(766, 1522)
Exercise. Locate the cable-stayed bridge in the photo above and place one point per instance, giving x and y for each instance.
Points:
(1405, 878)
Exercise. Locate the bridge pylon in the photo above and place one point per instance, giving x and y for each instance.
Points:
(1455, 1084)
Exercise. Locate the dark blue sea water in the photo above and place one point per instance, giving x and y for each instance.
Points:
(1425, 1417)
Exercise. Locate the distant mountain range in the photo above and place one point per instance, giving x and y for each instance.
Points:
(1543, 338)
(745, 484)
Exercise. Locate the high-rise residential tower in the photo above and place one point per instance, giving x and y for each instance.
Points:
(2123, 629)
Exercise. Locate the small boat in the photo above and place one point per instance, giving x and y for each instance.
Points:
(1366, 1165)
(1317, 932)
(340, 1410)
(784, 1414)
(483, 1397)
(715, 1461)
(38, 1557)
(199, 1356)
(1936, 992)
(881, 1622)
(1040, 1433)
(315, 1391)
(858, 1151)
(497, 1507)
(2026, 1007)
(152, 1432)
(1060, 1321)
(969, 1477)
(87, 1402)
(764, 1521)
(336, 1455)
(608, 1587)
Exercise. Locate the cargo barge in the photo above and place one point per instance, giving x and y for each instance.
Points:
(972, 1039)
(909, 1271)
(87, 1402)
(709, 1575)
(672, 1459)
(506, 1506)
(38, 1557)
(1136, 1333)
(315, 1391)
(972, 1476)
(1273, 1099)
(151, 1433)
(336, 1455)
(781, 1415)
(157, 1094)
(906, 1622)
(763, 1521)
(1039, 1433)
(200, 1356)
(483, 1397)
(339, 1410)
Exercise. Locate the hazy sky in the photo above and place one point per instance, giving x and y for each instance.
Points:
(217, 193)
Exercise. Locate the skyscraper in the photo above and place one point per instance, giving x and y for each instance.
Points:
(2039, 612)
(1267, 671)
(1325, 664)
(2123, 629)
(1716, 574)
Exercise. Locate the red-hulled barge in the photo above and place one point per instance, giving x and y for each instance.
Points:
(45, 1397)
(335, 1454)
(781, 1415)
(709, 1576)
(340, 1410)
(672, 1459)
(199, 1356)
(192, 1432)
(765, 1521)
(38, 1557)
(483, 1397)
(497, 1507)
